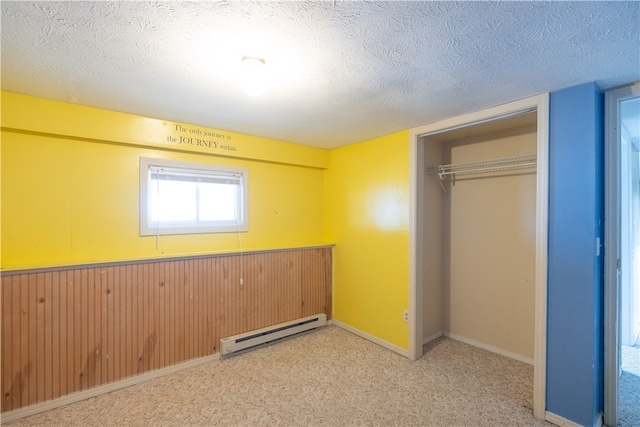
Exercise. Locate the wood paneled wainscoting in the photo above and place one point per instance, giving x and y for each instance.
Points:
(66, 330)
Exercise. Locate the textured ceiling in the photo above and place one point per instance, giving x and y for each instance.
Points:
(341, 72)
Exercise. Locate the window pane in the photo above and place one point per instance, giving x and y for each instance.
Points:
(188, 198)
(218, 202)
(172, 201)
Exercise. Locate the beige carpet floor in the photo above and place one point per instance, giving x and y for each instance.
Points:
(328, 377)
(629, 400)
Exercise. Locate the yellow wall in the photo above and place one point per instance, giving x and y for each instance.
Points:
(27, 113)
(70, 190)
(367, 216)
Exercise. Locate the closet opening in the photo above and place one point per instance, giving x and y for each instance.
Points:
(479, 225)
(478, 258)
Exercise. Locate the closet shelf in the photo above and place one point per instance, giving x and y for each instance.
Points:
(521, 161)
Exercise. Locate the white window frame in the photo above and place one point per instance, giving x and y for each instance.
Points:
(154, 228)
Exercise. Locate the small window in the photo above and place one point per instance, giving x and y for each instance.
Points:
(185, 198)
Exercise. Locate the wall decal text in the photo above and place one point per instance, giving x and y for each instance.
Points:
(198, 137)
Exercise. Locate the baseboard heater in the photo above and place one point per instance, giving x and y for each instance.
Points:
(249, 340)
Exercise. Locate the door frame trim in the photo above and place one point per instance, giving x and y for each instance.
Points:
(540, 104)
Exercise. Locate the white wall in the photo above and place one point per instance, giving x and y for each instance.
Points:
(635, 203)
(434, 239)
(630, 243)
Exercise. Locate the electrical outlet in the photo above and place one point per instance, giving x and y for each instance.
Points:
(405, 316)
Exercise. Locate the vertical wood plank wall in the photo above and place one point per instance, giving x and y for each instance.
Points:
(68, 330)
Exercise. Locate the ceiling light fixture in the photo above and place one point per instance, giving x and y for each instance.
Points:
(253, 78)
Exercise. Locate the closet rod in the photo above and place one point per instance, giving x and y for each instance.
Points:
(521, 161)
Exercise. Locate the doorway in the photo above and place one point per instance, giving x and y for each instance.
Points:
(622, 263)
(419, 245)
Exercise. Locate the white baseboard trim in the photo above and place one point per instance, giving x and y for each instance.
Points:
(490, 348)
(560, 421)
(107, 388)
(369, 337)
(434, 336)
